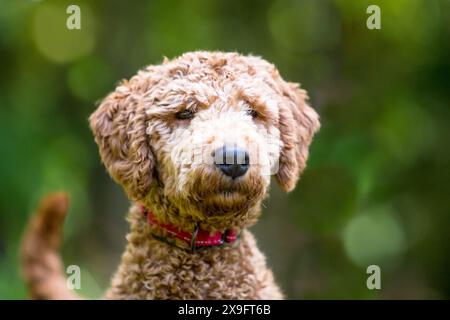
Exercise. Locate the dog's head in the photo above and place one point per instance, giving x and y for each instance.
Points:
(207, 130)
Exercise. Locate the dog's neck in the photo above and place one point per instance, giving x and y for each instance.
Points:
(199, 239)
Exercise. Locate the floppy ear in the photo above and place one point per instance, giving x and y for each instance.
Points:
(298, 123)
(119, 127)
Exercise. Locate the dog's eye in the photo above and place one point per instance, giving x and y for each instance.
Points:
(184, 115)
(252, 113)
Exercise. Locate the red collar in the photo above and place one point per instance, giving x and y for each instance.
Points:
(198, 239)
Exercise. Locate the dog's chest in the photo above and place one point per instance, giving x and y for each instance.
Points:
(219, 273)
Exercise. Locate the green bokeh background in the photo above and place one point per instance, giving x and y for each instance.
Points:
(377, 187)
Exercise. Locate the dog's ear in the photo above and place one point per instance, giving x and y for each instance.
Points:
(119, 126)
(298, 123)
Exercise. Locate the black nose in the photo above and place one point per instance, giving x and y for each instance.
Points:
(232, 161)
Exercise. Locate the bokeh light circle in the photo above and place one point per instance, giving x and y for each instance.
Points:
(54, 40)
(374, 237)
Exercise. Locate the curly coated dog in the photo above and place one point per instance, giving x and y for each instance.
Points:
(193, 142)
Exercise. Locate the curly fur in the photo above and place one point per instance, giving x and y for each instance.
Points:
(166, 164)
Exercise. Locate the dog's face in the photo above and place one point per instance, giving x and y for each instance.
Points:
(207, 130)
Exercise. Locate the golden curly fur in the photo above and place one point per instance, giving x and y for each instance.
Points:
(166, 165)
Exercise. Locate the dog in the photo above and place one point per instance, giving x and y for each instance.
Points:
(194, 143)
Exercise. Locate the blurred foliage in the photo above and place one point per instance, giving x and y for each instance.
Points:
(376, 190)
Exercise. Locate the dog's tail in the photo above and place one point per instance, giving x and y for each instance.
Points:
(42, 266)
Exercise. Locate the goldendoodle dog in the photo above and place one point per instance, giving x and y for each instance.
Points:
(194, 143)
